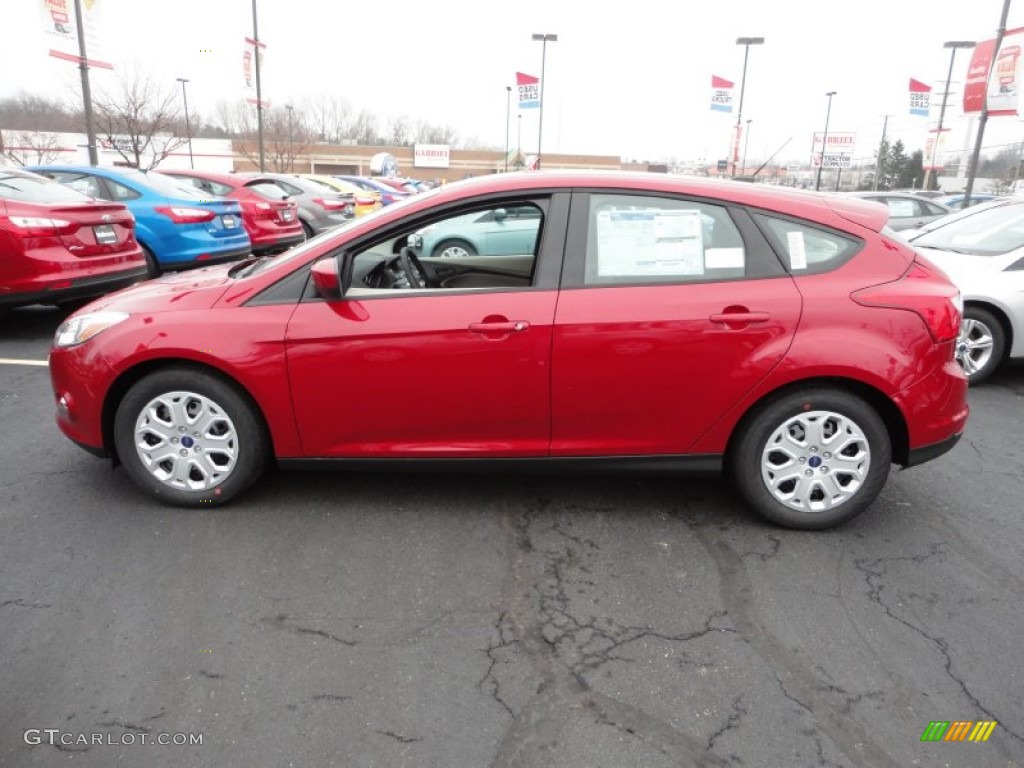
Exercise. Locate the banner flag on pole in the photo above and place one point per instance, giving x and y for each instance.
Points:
(61, 27)
(920, 98)
(994, 79)
(529, 91)
(721, 94)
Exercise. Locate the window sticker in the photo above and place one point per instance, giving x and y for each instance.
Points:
(632, 243)
(723, 258)
(901, 209)
(797, 251)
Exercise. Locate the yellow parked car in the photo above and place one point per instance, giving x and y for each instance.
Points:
(366, 201)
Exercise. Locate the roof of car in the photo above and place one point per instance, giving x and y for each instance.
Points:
(781, 199)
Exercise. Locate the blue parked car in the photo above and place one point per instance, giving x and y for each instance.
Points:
(956, 202)
(178, 227)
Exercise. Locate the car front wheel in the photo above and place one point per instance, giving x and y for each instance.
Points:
(189, 438)
(812, 459)
(980, 345)
(453, 249)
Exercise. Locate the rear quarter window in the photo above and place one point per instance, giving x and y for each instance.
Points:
(806, 249)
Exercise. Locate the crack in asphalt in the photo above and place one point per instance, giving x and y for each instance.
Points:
(776, 544)
(400, 738)
(731, 723)
(563, 696)
(211, 675)
(874, 570)
(126, 725)
(20, 603)
(281, 622)
(803, 686)
(330, 697)
(489, 683)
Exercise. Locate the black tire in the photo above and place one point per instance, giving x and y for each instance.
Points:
(444, 245)
(977, 321)
(251, 443)
(751, 449)
(307, 229)
(152, 265)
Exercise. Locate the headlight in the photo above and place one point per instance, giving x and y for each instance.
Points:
(958, 302)
(84, 327)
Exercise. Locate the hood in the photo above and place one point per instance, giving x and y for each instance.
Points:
(195, 289)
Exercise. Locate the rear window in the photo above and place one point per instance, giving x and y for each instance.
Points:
(172, 187)
(267, 189)
(35, 189)
(806, 249)
(990, 232)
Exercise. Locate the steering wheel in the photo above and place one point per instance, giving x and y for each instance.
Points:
(411, 267)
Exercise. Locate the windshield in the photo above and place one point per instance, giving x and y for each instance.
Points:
(989, 232)
(36, 189)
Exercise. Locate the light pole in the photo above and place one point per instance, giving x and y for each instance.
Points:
(972, 170)
(83, 66)
(746, 142)
(746, 42)
(824, 141)
(508, 112)
(953, 45)
(259, 87)
(188, 125)
(544, 39)
(519, 142)
(291, 149)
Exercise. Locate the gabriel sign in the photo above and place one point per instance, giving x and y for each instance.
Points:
(431, 156)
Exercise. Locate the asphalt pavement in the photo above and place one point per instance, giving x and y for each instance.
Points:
(373, 620)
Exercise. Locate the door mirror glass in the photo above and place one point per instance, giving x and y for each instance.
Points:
(500, 215)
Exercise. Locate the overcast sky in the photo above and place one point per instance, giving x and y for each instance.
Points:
(629, 79)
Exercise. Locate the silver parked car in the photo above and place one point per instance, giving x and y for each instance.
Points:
(906, 210)
(982, 249)
(319, 209)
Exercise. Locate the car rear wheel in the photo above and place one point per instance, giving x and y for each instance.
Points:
(453, 249)
(189, 438)
(812, 459)
(980, 345)
(307, 230)
(152, 266)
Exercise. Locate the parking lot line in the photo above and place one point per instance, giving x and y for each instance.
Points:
(15, 361)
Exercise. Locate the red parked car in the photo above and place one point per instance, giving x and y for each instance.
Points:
(650, 321)
(270, 219)
(59, 246)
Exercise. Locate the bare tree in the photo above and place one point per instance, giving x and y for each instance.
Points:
(30, 147)
(286, 133)
(330, 117)
(365, 129)
(401, 132)
(141, 120)
(429, 133)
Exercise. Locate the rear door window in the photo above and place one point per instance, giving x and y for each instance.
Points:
(807, 249)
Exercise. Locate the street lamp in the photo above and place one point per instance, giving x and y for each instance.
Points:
(746, 42)
(824, 140)
(508, 112)
(544, 39)
(746, 142)
(953, 45)
(519, 143)
(291, 149)
(188, 126)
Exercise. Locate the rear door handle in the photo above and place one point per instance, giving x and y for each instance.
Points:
(502, 327)
(740, 317)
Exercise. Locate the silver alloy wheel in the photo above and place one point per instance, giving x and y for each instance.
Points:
(454, 252)
(974, 345)
(815, 461)
(186, 441)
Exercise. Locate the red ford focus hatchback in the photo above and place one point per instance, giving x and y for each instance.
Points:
(639, 321)
(58, 245)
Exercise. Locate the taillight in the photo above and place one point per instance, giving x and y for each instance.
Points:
(331, 205)
(365, 200)
(182, 215)
(39, 226)
(931, 296)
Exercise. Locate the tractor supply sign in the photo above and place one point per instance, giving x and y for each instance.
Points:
(838, 150)
(431, 155)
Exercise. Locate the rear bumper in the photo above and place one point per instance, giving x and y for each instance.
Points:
(277, 244)
(936, 411)
(928, 452)
(82, 288)
(216, 258)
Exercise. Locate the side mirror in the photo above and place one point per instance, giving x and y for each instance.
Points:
(500, 214)
(415, 242)
(326, 279)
